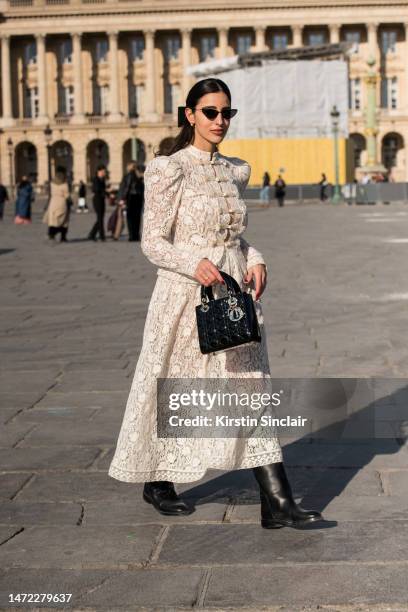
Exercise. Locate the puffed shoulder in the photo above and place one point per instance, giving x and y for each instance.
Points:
(240, 167)
(165, 165)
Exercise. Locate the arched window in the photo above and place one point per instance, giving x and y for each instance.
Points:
(391, 144)
(359, 145)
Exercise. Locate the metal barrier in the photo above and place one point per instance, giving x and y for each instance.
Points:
(352, 193)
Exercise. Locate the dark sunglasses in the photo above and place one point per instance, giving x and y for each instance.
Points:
(212, 113)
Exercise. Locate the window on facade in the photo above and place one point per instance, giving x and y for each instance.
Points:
(30, 53)
(137, 48)
(392, 143)
(66, 51)
(101, 99)
(171, 47)
(244, 42)
(31, 103)
(316, 38)
(280, 40)
(134, 100)
(65, 100)
(355, 94)
(359, 145)
(388, 41)
(353, 36)
(389, 93)
(101, 50)
(208, 42)
(168, 97)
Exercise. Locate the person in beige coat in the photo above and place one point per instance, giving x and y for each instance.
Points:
(57, 214)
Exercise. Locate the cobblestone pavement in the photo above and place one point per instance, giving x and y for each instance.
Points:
(71, 328)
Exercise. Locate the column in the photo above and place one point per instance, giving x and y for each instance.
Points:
(297, 32)
(222, 42)
(405, 84)
(114, 115)
(186, 61)
(334, 34)
(373, 48)
(150, 106)
(79, 116)
(7, 118)
(260, 38)
(42, 81)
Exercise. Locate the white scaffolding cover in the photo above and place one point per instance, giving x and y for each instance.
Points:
(288, 99)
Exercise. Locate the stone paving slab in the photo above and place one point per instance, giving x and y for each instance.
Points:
(79, 486)
(309, 585)
(71, 548)
(76, 582)
(355, 508)
(109, 590)
(11, 483)
(48, 458)
(39, 513)
(125, 512)
(96, 434)
(245, 544)
(75, 399)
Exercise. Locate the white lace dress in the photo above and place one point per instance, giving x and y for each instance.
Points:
(193, 209)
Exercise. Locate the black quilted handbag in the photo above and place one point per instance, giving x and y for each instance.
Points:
(228, 321)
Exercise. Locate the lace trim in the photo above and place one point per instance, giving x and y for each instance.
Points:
(184, 476)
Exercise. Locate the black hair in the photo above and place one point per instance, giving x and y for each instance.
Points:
(101, 167)
(200, 89)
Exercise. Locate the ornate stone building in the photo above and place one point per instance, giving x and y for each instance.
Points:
(107, 76)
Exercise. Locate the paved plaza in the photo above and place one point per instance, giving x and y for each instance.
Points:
(72, 317)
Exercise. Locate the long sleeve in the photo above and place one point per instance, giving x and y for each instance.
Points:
(252, 256)
(163, 188)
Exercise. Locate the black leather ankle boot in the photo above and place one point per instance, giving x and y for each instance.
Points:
(161, 494)
(278, 508)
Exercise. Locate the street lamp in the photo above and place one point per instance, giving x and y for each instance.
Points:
(48, 139)
(10, 154)
(335, 115)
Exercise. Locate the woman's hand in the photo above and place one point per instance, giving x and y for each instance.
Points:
(207, 273)
(259, 274)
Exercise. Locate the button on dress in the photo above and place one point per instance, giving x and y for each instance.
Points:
(194, 208)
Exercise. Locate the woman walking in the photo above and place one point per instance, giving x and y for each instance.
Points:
(194, 217)
(57, 214)
(23, 202)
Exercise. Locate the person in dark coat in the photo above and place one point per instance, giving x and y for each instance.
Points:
(280, 190)
(23, 202)
(99, 196)
(3, 199)
(324, 183)
(131, 194)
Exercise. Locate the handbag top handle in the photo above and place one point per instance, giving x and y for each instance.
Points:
(232, 285)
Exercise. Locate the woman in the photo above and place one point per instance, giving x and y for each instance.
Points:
(280, 190)
(23, 202)
(194, 217)
(57, 214)
(266, 186)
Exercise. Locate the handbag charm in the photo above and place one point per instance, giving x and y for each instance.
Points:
(228, 321)
(235, 313)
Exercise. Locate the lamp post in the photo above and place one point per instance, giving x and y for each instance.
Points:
(48, 139)
(10, 154)
(335, 115)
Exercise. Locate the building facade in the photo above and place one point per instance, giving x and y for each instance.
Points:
(85, 82)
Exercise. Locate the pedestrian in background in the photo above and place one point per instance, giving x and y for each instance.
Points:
(280, 190)
(25, 197)
(324, 183)
(131, 195)
(3, 199)
(99, 196)
(266, 187)
(82, 205)
(58, 211)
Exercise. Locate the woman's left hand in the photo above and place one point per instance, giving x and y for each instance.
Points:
(259, 274)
